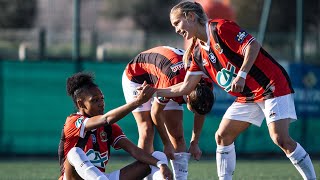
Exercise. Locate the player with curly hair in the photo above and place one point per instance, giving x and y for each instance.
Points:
(87, 135)
(161, 67)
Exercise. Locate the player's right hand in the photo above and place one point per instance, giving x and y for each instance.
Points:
(166, 172)
(145, 92)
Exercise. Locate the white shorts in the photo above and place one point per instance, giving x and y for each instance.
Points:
(129, 91)
(272, 109)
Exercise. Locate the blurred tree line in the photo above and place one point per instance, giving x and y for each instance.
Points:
(153, 15)
(17, 13)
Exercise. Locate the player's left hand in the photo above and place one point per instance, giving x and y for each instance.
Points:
(195, 151)
(238, 84)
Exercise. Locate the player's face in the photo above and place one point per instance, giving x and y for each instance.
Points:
(184, 25)
(94, 102)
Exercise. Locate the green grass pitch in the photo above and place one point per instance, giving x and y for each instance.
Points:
(205, 169)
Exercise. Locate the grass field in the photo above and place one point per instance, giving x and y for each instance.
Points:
(29, 169)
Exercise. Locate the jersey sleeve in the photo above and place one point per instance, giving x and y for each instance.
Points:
(75, 126)
(234, 37)
(117, 134)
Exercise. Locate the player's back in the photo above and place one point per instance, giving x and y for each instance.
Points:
(160, 66)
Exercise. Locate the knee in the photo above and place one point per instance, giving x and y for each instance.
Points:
(223, 137)
(281, 141)
(74, 151)
(160, 156)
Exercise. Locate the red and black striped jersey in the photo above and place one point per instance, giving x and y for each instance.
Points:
(96, 147)
(160, 67)
(222, 56)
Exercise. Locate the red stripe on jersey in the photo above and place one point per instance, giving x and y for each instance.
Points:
(223, 59)
(71, 135)
(159, 66)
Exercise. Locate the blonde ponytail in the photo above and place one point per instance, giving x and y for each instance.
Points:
(187, 54)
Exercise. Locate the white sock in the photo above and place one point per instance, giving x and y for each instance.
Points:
(226, 161)
(155, 171)
(86, 170)
(301, 160)
(180, 165)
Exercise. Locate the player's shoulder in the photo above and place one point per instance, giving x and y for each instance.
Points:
(75, 117)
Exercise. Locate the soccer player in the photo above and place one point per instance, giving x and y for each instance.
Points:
(235, 61)
(84, 149)
(162, 66)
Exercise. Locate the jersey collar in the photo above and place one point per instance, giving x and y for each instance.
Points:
(206, 46)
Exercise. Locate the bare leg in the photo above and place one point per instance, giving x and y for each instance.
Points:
(173, 122)
(146, 130)
(279, 132)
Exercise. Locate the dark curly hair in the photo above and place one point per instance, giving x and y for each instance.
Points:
(202, 99)
(78, 83)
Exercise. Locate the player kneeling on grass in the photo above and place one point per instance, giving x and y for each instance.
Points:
(84, 148)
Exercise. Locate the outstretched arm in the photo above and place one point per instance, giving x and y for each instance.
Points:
(116, 114)
(143, 156)
(194, 143)
(190, 82)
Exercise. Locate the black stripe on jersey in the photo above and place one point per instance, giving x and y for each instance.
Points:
(159, 61)
(254, 72)
(149, 78)
(198, 59)
(284, 72)
(232, 57)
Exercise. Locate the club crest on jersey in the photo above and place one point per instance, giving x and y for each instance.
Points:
(212, 57)
(225, 76)
(103, 136)
(218, 48)
(79, 122)
(176, 67)
(241, 36)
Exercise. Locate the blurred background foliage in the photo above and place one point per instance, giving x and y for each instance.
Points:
(123, 28)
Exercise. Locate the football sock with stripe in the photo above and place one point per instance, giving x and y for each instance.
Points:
(226, 161)
(180, 165)
(301, 160)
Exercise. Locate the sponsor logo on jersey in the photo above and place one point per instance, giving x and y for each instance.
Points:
(241, 36)
(218, 48)
(97, 159)
(212, 57)
(176, 67)
(103, 136)
(79, 122)
(225, 77)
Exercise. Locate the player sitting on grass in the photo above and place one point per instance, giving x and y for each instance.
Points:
(84, 148)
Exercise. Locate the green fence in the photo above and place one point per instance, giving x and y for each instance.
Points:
(35, 105)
